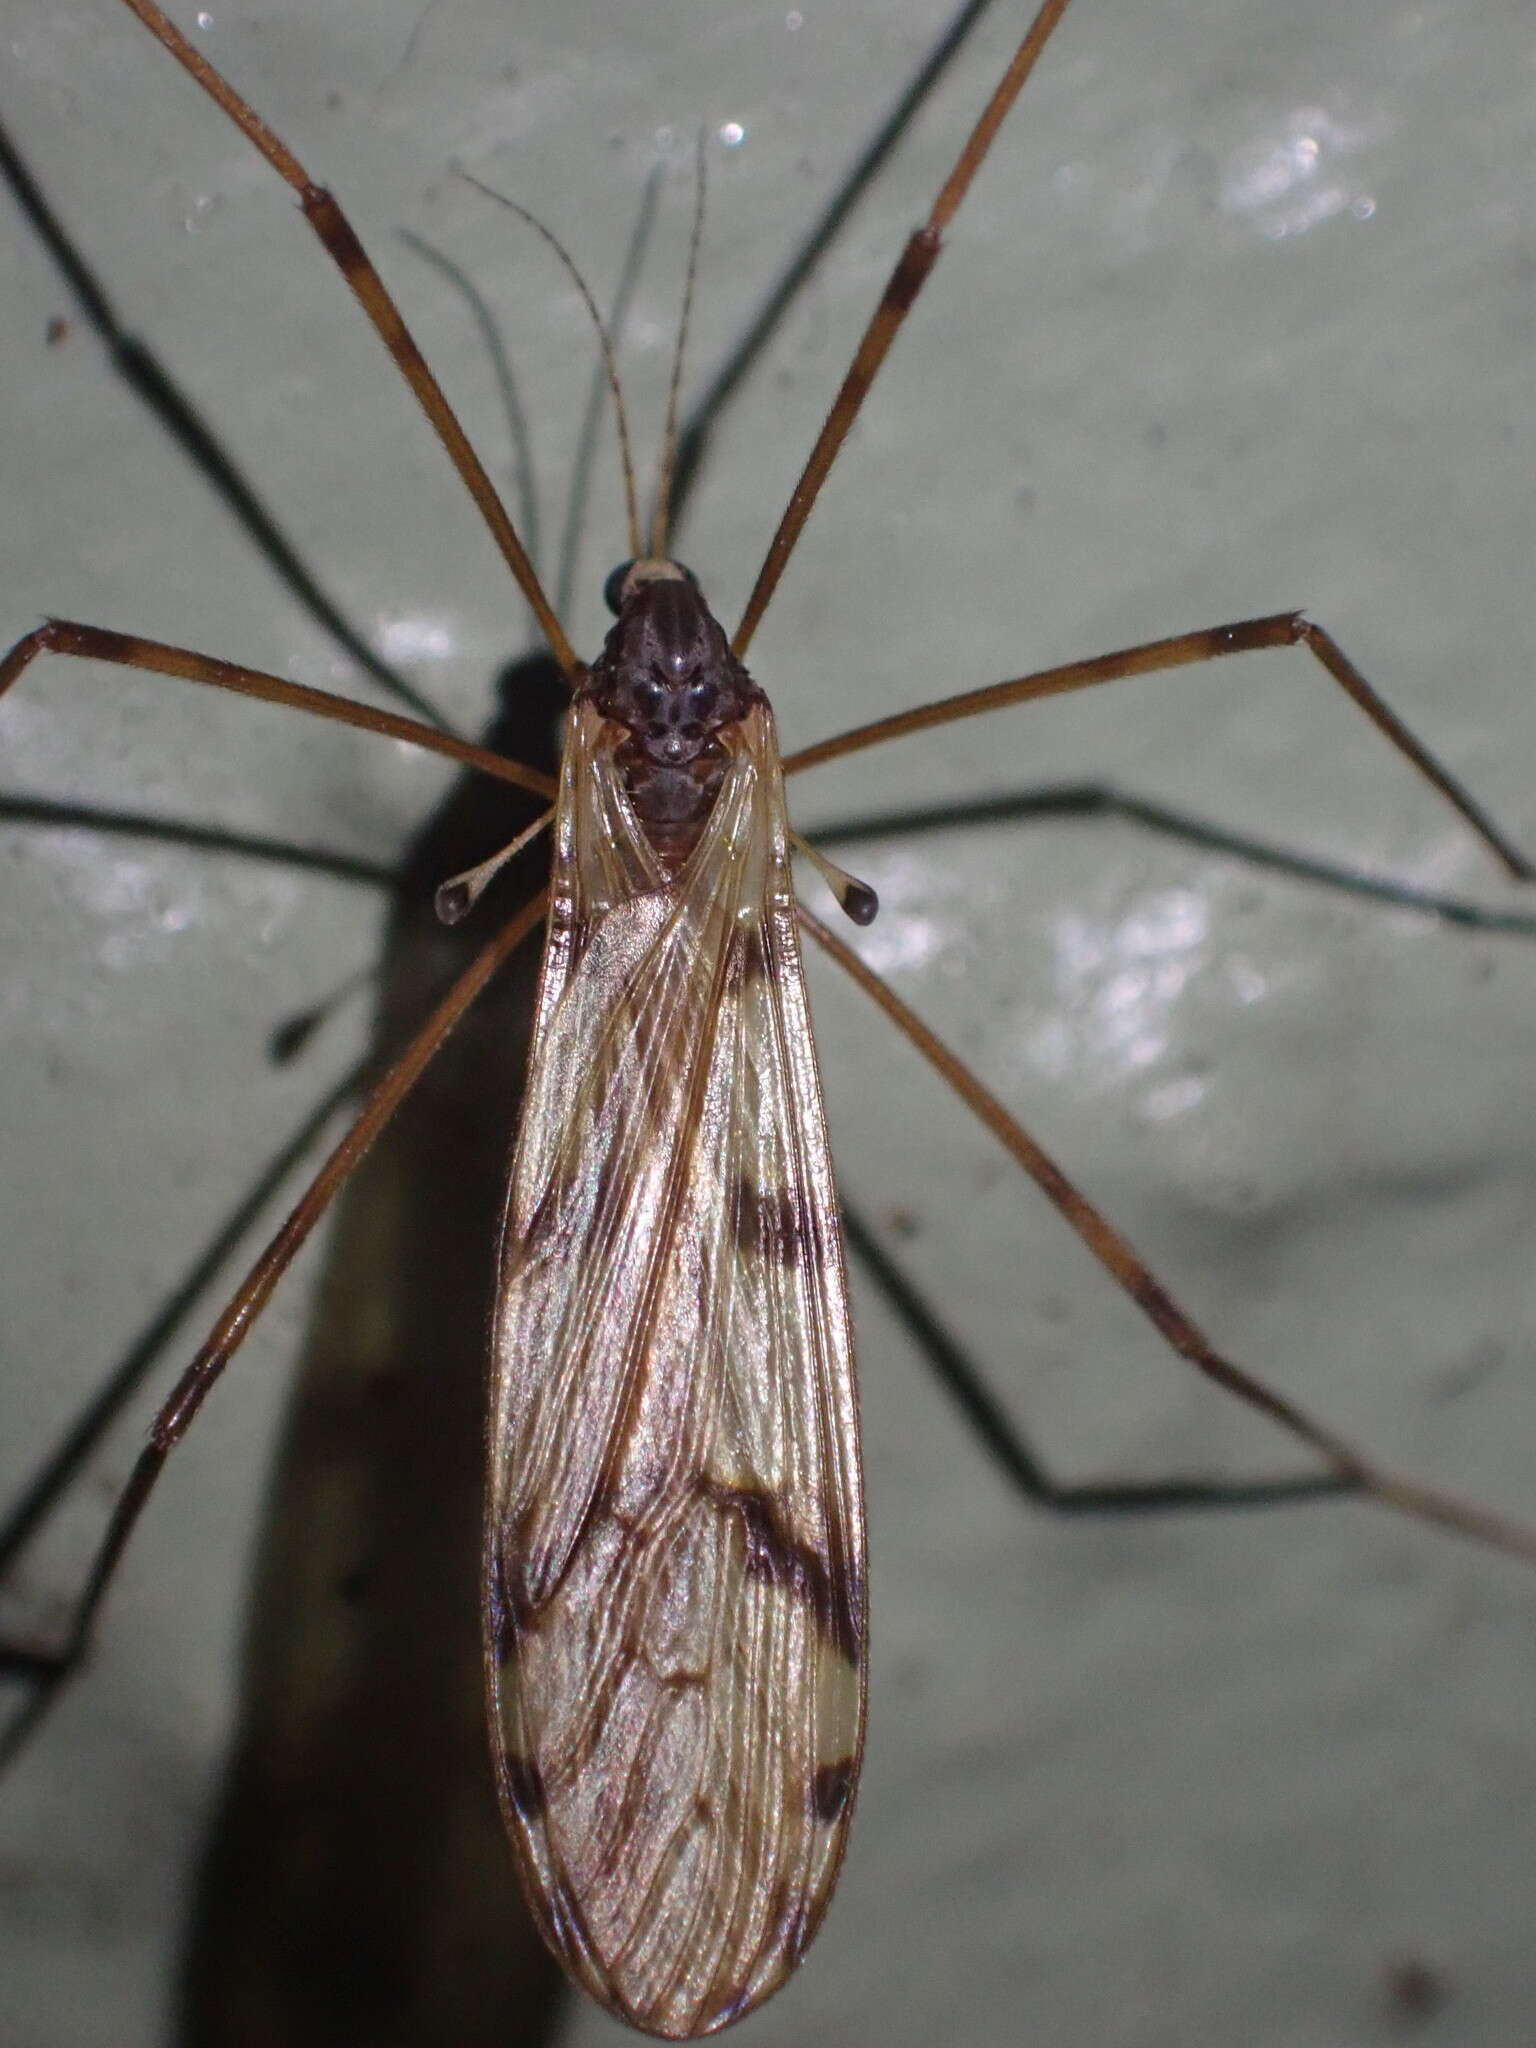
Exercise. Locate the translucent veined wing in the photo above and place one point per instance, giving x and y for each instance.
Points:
(675, 1611)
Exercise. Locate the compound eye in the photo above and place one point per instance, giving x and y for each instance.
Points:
(646, 697)
(613, 588)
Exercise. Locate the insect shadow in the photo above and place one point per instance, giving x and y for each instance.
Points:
(377, 1585)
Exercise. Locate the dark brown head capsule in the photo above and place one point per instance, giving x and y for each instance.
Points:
(668, 676)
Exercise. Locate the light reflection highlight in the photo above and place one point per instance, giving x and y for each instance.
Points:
(416, 639)
(1174, 1098)
(1093, 994)
(1289, 182)
(1116, 982)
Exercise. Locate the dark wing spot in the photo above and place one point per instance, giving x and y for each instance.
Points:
(525, 1789)
(831, 1789)
(766, 1222)
(834, 1594)
(541, 1226)
(499, 1633)
(753, 960)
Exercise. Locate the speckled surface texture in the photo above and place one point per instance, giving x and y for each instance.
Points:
(1239, 319)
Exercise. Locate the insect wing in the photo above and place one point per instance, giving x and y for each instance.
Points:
(675, 1567)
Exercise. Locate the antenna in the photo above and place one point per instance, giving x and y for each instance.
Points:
(631, 507)
(659, 518)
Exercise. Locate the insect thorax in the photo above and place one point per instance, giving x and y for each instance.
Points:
(668, 676)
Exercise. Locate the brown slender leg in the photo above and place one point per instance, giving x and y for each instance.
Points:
(127, 650)
(146, 377)
(896, 301)
(1000, 1436)
(234, 1325)
(710, 407)
(1209, 643)
(1178, 1330)
(65, 1463)
(363, 281)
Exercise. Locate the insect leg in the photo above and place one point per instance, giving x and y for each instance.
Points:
(1021, 1465)
(64, 1464)
(127, 650)
(233, 1326)
(896, 301)
(147, 377)
(706, 412)
(1126, 1267)
(1183, 650)
(367, 287)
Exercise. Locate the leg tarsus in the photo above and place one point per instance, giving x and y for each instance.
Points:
(234, 1325)
(912, 269)
(340, 243)
(1185, 650)
(1004, 1442)
(147, 378)
(63, 1466)
(51, 1672)
(1320, 643)
(157, 657)
(1178, 1330)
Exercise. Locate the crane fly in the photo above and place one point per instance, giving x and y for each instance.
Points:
(701, 918)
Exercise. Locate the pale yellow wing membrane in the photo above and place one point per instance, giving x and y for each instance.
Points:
(675, 1617)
